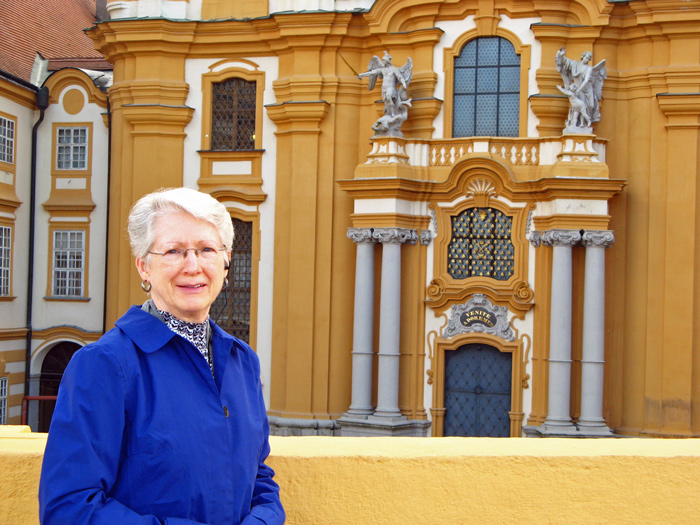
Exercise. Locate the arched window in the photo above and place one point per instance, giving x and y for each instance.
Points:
(486, 89)
(233, 115)
(481, 245)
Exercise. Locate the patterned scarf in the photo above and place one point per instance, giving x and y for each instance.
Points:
(195, 333)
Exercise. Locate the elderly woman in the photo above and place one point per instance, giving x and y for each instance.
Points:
(162, 420)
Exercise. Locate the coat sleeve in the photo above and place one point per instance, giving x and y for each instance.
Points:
(84, 446)
(266, 506)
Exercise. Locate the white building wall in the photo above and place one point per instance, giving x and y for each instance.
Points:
(86, 315)
(194, 69)
(13, 313)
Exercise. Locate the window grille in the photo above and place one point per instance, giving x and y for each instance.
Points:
(5, 259)
(71, 150)
(231, 309)
(68, 257)
(233, 115)
(481, 245)
(486, 89)
(7, 140)
(3, 400)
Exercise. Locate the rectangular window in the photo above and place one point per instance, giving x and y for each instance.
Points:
(3, 401)
(7, 140)
(68, 263)
(233, 115)
(5, 259)
(231, 309)
(72, 147)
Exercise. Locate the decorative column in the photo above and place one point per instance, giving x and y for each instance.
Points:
(390, 319)
(558, 414)
(593, 359)
(363, 324)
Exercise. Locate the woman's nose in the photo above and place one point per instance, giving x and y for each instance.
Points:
(191, 260)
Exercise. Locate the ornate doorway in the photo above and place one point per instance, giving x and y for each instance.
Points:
(478, 379)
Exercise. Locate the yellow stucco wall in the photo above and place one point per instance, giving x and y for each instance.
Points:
(367, 481)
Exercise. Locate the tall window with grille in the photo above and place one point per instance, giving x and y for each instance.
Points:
(481, 245)
(68, 263)
(231, 310)
(233, 115)
(5, 259)
(71, 148)
(3, 400)
(486, 89)
(7, 140)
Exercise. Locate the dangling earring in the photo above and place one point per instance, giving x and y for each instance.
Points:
(225, 283)
(146, 286)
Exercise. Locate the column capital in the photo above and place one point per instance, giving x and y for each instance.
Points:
(360, 235)
(560, 237)
(598, 238)
(536, 238)
(426, 236)
(395, 235)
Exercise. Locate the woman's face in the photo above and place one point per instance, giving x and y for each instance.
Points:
(185, 286)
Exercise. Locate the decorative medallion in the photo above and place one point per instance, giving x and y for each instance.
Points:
(479, 315)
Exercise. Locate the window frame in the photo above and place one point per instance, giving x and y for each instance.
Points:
(13, 140)
(51, 285)
(235, 112)
(71, 172)
(6, 270)
(72, 146)
(4, 398)
(451, 53)
(494, 87)
(243, 69)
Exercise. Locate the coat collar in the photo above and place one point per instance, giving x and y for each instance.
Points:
(149, 333)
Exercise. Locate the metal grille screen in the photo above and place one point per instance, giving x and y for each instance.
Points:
(233, 115)
(231, 310)
(481, 245)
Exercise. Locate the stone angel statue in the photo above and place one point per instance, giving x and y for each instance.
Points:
(583, 84)
(395, 81)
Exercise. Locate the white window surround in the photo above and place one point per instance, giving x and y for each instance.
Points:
(3, 400)
(68, 263)
(5, 259)
(7, 140)
(72, 148)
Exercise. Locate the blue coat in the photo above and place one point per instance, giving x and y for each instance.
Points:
(143, 434)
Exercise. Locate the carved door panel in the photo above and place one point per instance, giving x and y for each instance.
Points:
(477, 392)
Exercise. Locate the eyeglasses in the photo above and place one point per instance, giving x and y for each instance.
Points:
(206, 254)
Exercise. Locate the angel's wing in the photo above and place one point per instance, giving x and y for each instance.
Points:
(406, 71)
(599, 72)
(373, 71)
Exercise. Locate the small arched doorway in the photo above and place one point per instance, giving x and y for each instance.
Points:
(52, 370)
(478, 379)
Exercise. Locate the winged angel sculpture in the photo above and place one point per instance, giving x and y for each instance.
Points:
(583, 84)
(395, 81)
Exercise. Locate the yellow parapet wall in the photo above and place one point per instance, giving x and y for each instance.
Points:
(367, 481)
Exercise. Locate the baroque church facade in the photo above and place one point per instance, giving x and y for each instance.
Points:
(481, 272)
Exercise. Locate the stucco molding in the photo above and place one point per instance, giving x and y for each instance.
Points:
(603, 238)
(501, 328)
(395, 235)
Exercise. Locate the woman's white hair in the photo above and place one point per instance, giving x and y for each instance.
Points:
(150, 207)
